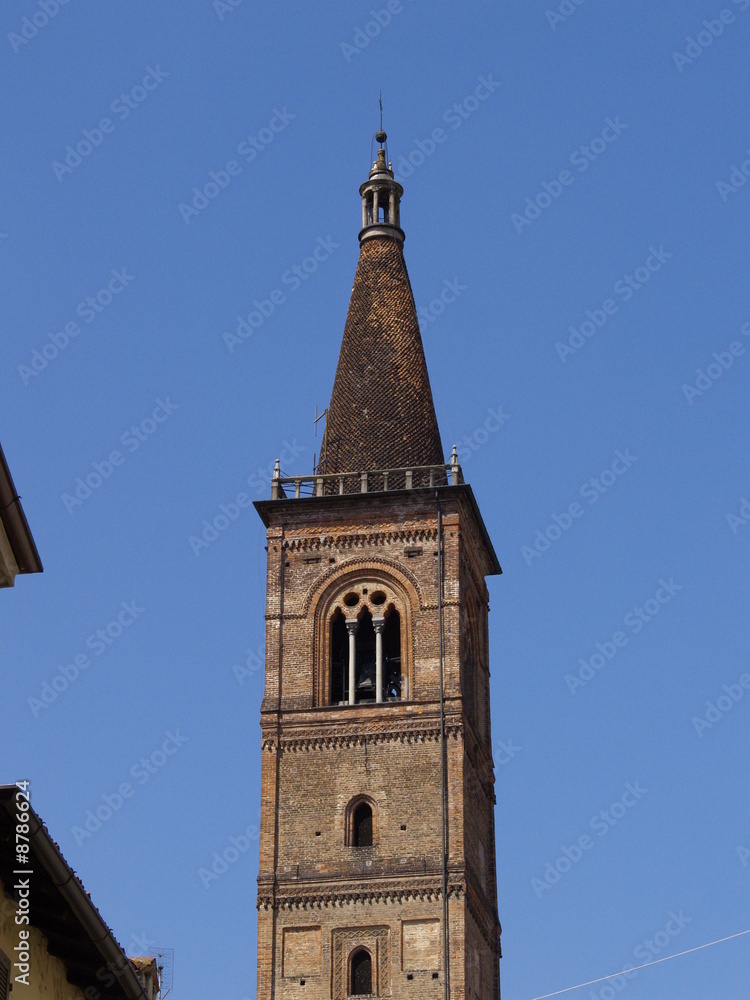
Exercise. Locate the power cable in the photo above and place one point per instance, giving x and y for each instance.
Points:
(592, 982)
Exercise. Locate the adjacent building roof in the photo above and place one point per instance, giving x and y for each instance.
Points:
(63, 911)
(18, 552)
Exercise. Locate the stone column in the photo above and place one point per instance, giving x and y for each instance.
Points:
(351, 627)
(378, 624)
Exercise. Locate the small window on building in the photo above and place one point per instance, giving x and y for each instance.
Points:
(361, 823)
(360, 984)
(362, 826)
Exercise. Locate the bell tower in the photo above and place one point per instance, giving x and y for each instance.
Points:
(377, 847)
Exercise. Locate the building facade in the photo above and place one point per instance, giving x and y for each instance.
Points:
(54, 943)
(377, 858)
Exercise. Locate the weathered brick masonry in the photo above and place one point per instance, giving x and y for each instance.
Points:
(351, 851)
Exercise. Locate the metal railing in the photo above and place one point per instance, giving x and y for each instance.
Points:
(379, 481)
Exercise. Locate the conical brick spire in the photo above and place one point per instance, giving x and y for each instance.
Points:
(381, 414)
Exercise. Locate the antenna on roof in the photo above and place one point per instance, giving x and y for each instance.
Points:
(164, 958)
(319, 416)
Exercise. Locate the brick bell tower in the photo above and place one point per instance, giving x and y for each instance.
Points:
(377, 846)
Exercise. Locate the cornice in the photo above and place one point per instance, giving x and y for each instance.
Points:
(361, 734)
(357, 539)
(355, 893)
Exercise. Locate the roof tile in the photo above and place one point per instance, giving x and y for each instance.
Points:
(381, 414)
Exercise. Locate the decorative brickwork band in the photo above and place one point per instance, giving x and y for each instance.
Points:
(355, 894)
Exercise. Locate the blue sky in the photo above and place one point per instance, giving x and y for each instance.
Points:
(574, 172)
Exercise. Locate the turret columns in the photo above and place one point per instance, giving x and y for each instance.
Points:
(351, 627)
(378, 624)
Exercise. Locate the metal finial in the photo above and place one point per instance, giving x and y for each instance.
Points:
(380, 135)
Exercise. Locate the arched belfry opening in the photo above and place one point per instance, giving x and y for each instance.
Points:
(392, 656)
(365, 647)
(360, 975)
(365, 666)
(339, 659)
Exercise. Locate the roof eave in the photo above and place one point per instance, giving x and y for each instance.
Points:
(15, 525)
(62, 877)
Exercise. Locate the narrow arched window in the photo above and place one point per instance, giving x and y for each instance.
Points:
(362, 826)
(365, 689)
(392, 656)
(339, 660)
(360, 983)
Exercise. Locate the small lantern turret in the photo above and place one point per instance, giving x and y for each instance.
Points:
(381, 199)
